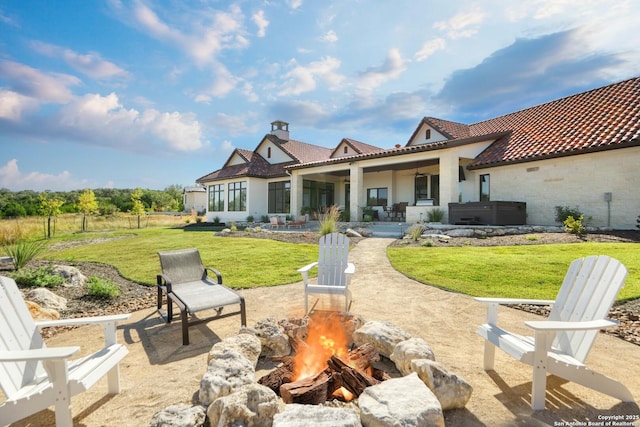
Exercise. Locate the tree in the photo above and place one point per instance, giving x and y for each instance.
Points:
(49, 208)
(138, 206)
(87, 205)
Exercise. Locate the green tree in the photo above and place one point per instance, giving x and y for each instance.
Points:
(138, 206)
(87, 205)
(49, 208)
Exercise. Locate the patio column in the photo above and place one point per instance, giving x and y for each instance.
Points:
(448, 180)
(296, 193)
(356, 192)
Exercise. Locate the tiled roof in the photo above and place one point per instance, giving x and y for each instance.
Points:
(301, 151)
(603, 118)
(451, 130)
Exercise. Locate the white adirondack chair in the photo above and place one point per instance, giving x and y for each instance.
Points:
(561, 344)
(33, 376)
(334, 270)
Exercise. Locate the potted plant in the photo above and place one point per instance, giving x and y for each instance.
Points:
(305, 211)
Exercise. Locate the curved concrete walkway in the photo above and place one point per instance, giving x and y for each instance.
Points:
(159, 371)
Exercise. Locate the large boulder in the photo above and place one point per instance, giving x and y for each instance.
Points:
(400, 402)
(46, 299)
(252, 405)
(451, 390)
(406, 351)
(274, 340)
(384, 336)
(180, 415)
(246, 344)
(296, 415)
(226, 373)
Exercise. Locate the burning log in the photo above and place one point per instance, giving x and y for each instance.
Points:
(281, 375)
(312, 390)
(352, 379)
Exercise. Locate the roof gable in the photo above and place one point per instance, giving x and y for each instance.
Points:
(351, 147)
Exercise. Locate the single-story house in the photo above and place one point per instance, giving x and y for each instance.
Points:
(581, 151)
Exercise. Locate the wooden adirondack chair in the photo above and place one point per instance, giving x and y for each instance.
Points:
(334, 269)
(33, 376)
(561, 344)
(186, 282)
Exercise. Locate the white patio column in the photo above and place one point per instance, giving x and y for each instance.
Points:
(448, 181)
(356, 192)
(297, 189)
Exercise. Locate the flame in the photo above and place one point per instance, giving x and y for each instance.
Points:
(326, 337)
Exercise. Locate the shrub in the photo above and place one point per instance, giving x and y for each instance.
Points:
(102, 288)
(198, 220)
(435, 215)
(427, 243)
(415, 231)
(250, 218)
(575, 226)
(564, 212)
(265, 219)
(23, 251)
(233, 227)
(41, 277)
(216, 220)
(329, 221)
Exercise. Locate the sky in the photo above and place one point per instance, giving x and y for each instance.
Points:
(150, 94)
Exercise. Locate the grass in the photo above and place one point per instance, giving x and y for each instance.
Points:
(244, 262)
(528, 271)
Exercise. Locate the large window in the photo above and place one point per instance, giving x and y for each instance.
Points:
(280, 197)
(237, 196)
(216, 198)
(428, 187)
(484, 188)
(317, 195)
(377, 196)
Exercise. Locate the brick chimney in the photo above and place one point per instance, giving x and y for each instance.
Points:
(280, 129)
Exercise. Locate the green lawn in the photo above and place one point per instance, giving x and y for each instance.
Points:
(243, 262)
(529, 271)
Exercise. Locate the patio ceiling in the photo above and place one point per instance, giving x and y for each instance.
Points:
(390, 166)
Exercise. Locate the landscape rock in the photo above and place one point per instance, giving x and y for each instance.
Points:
(297, 415)
(384, 336)
(71, 275)
(246, 344)
(181, 415)
(406, 351)
(46, 299)
(400, 402)
(274, 340)
(451, 390)
(39, 313)
(252, 405)
(226, 373)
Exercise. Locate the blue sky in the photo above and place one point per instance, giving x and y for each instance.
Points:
(125, 94)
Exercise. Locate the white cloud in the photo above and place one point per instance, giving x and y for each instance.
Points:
(304, 79)
(429, 48)
(392, 67)
(294, 4)
(35, 84)
(90, 64)
(234, 125)
(104, 121)
(13, 179)
(261, 22)
(13, 105)
(330, 37)
(462, 25)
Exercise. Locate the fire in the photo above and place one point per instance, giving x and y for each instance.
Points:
(326, 337)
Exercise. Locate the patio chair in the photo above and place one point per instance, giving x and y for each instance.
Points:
(33, 376)
(187, 284)
(561, 344)
(275, 222)
(334, 270)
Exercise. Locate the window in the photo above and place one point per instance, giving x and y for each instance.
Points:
(346, 150)
(280, 197)
(317, 195)
(484, 188)
(427, 134)
(268, 152)
(377, 196)
(428, 187)
(237, 196)
(216, 198)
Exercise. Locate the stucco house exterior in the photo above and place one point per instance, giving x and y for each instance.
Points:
(194, 199)
(581, 151)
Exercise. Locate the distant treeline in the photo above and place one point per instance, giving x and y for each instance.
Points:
(110, 201)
